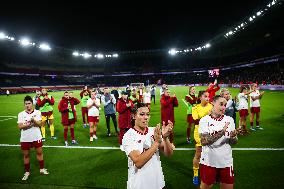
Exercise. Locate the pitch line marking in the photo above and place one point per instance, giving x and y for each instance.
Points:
(117, 148)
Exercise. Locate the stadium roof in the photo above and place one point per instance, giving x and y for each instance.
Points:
(120, 27)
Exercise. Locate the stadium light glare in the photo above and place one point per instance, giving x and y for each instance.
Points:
(25, 42)
(172, 52)
(258, 13)
(2, 35)
(250, 19)
(45, 47)
(100, 56)
(115, 55)
(75, 53)
(86, 55)
(207, 45)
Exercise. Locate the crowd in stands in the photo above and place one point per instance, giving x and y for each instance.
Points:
(263, 74)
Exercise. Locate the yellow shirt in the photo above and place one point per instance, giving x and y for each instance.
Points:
(199, 111)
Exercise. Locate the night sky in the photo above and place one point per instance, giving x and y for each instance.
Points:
(110, 27)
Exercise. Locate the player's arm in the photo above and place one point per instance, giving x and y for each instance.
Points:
(51, 100)
(40, 102)
(76, 100)
(141, 159)
(207, 138)
(24, 126)
(36, 123)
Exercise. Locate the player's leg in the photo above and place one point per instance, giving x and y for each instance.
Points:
(26, 154)
(65, 135)
(226, 178)
(43, 123)
(188, 129)
(257, 121)
(73, 133)
(39, 156)
(226, 186)
(84, 116)
(95, 130)
(205, 186)
(51, 126)
(108, 124)
(251, 119)
(91, 131)
(195, 162)
(113, 117)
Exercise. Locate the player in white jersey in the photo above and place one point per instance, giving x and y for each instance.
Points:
(147, 97)
(29, 122)
(93, 105)
(255, 97)
(142, 145)
(243, 107)
(217, 133)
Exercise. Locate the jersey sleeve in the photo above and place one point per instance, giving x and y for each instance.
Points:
(129, 144)
(20, 118)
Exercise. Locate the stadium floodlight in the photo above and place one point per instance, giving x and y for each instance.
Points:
(75, 53)
(100, 56)
(172, 52)
(250, 19)
(44, 46)
(115, 55)
(25, 42)
(258, 13)
(207, 45)
(86, 55)
(2, 35)
(230, 33)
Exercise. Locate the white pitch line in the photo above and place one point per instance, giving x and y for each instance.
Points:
(117, 148)
(6, 119)
(9, 116)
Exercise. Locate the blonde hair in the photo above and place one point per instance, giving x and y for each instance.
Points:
(223, 90)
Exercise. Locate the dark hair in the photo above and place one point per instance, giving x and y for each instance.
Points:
(28, 98)
(200, 93)
(65, 92)
(242, 88)
(137, 106)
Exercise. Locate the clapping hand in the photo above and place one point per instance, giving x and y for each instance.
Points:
(167, 129)
(233, 134)
(157, 134)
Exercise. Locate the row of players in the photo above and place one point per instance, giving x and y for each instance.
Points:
(198, 111)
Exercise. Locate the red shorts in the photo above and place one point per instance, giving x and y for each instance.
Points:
(29, 145)
(71, 121)
(94, 119)
(210, 175)
(190, 119)
(255, 109)
(243, 112)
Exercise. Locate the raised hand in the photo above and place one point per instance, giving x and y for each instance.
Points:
(157, 133)
(226, 126)
(233, 134)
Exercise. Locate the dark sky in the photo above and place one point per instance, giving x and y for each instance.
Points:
(109, 27)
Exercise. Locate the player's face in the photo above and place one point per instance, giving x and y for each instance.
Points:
(205, 98)
(86, 93)
(28, 105)
(93, 95)
(106, 90)
(66, 95)
(142, 117)
(220, 106)
(124, 96)
(227, 95)
(254, 86)
(167, 92)
(44, 91)
(192, 90)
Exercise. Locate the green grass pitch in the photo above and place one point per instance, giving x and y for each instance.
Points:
(93, 168)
